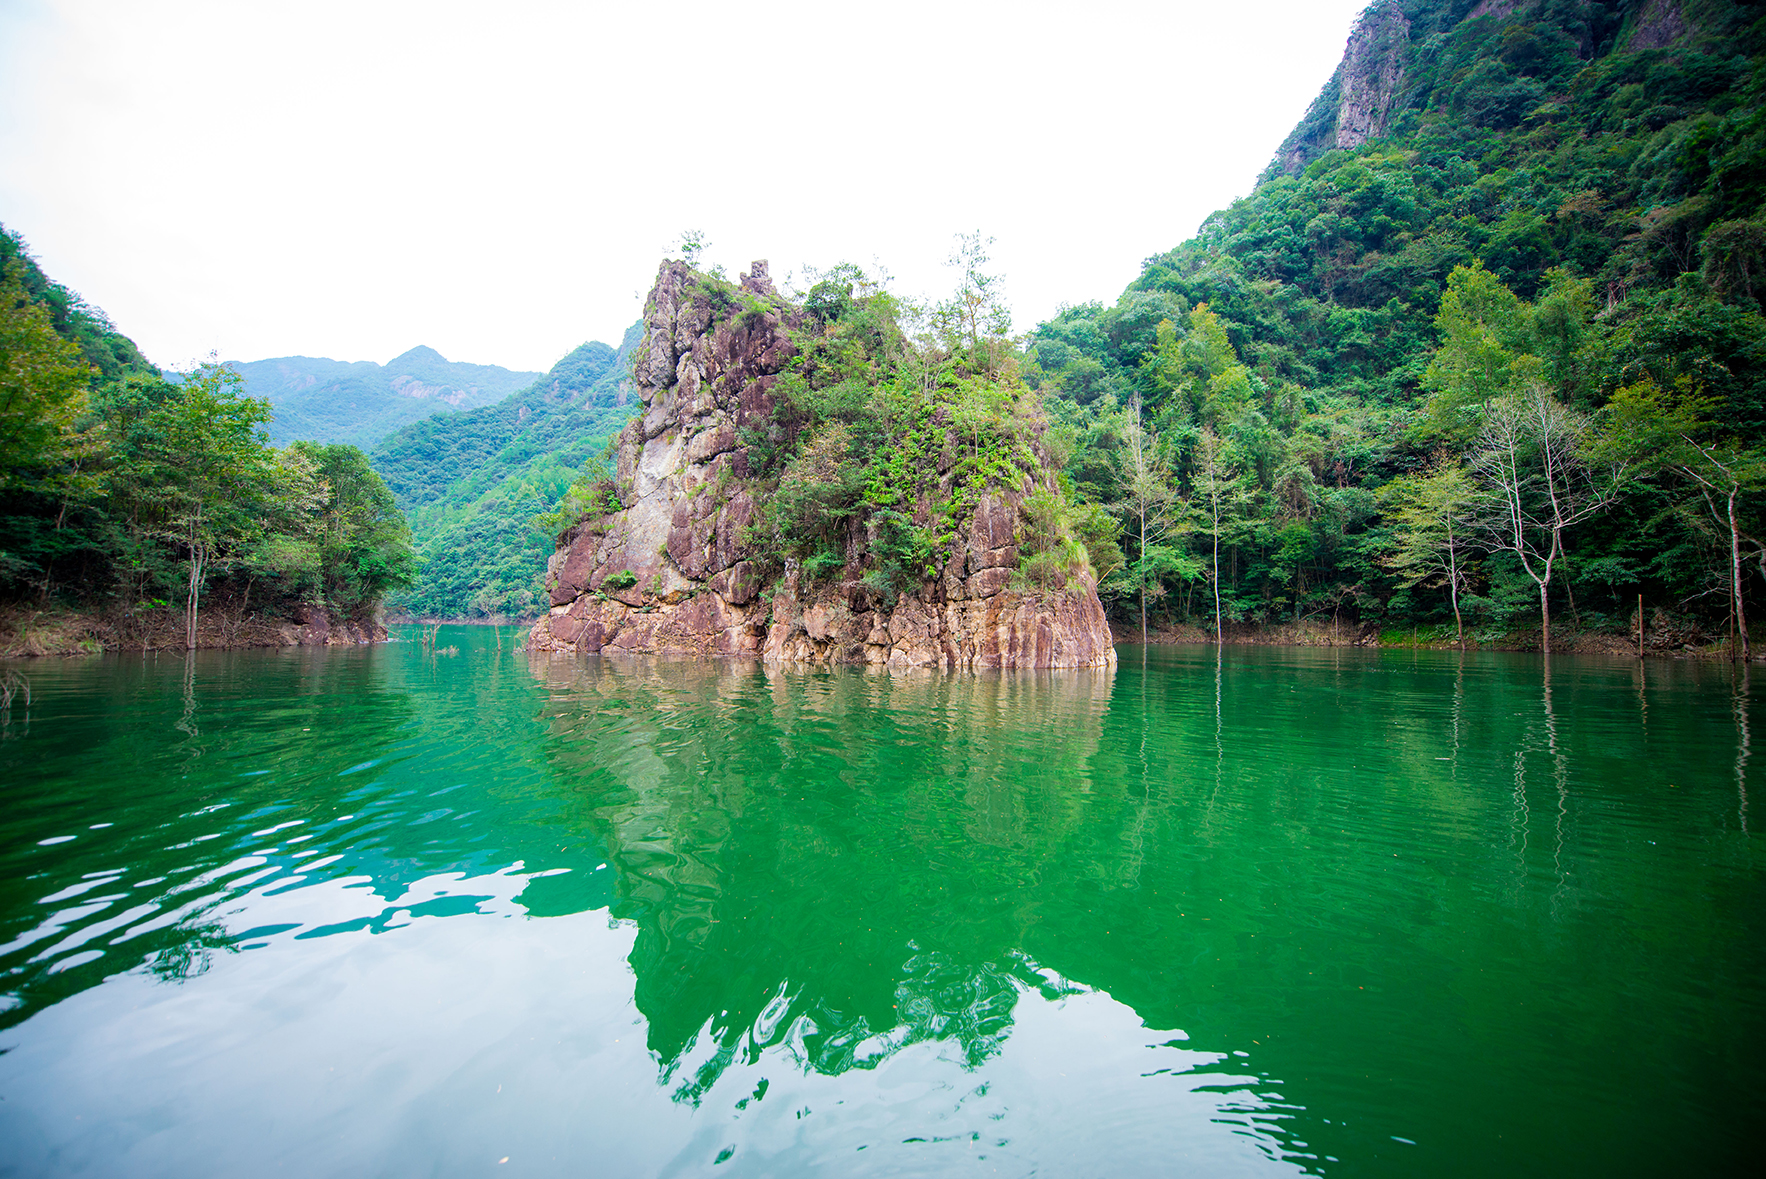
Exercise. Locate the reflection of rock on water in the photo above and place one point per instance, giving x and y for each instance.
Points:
(843, 862)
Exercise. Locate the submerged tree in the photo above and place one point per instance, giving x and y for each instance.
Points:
(1215, 489)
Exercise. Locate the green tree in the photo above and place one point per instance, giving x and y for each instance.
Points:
(1147, 506)
(1435, 514)
(191, 468)
(43, 390)
(1735, 258)
(364, 542)
(1675, 433)
(1196, 375)
(1219, 493)
(690, 245)
(976, 318)
(1486, 350)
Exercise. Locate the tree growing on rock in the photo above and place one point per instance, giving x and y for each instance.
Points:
(975, 319)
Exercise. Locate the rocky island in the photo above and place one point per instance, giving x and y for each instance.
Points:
(806, 485)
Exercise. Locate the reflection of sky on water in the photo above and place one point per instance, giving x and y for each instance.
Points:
(417, 1043)
(359, 911)
(349, 931)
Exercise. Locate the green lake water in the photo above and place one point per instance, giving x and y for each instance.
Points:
(369, 912)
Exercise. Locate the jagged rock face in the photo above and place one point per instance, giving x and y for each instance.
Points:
(1372, 75)
(674, 571)
(1358, 102)
(1659, 24)
(1500, 9)
(316, 629)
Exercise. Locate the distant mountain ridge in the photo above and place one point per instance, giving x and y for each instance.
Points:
(361, 402)
(472, 482)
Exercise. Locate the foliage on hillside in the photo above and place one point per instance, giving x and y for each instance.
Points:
(887, 427)
(101, 345)
(361, 402)
(473, 483)
(1557, 211)
(140, 495)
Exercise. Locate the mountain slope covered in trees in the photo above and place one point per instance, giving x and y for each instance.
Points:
(1496, 209)
(361, 402)
(101, 346)
(473, 483)
(132, 503)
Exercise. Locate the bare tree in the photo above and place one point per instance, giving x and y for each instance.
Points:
(1721, 476)
(1533, 456)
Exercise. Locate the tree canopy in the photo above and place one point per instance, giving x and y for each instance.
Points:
(141, 495)
(1551, 215)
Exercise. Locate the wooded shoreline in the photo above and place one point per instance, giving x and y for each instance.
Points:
(28, 633)
(1669, 643)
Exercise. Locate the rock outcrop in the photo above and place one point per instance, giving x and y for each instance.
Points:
(1358, 103)
(1658, 24)
(1372, 75)
(675, 572)
(315, 628)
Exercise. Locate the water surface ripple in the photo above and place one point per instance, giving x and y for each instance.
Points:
(1334, 912)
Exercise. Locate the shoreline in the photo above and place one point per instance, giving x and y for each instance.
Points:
(43, 633)
(1371, 635)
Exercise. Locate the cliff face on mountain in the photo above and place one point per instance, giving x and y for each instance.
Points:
(677, 569)
(1393, 58)
(1372, 76)
(1357, 104)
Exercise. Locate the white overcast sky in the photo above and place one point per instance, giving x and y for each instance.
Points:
(498, 181)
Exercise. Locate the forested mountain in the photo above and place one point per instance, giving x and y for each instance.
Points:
(133, 503)
(1485, 344)
(101, 346)
(473, 483)
(1508, 234)
(361, 402)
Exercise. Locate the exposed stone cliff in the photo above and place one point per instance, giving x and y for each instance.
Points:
(675, 571)
(1658, 24)
(1358, 103)
(1366, 94)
